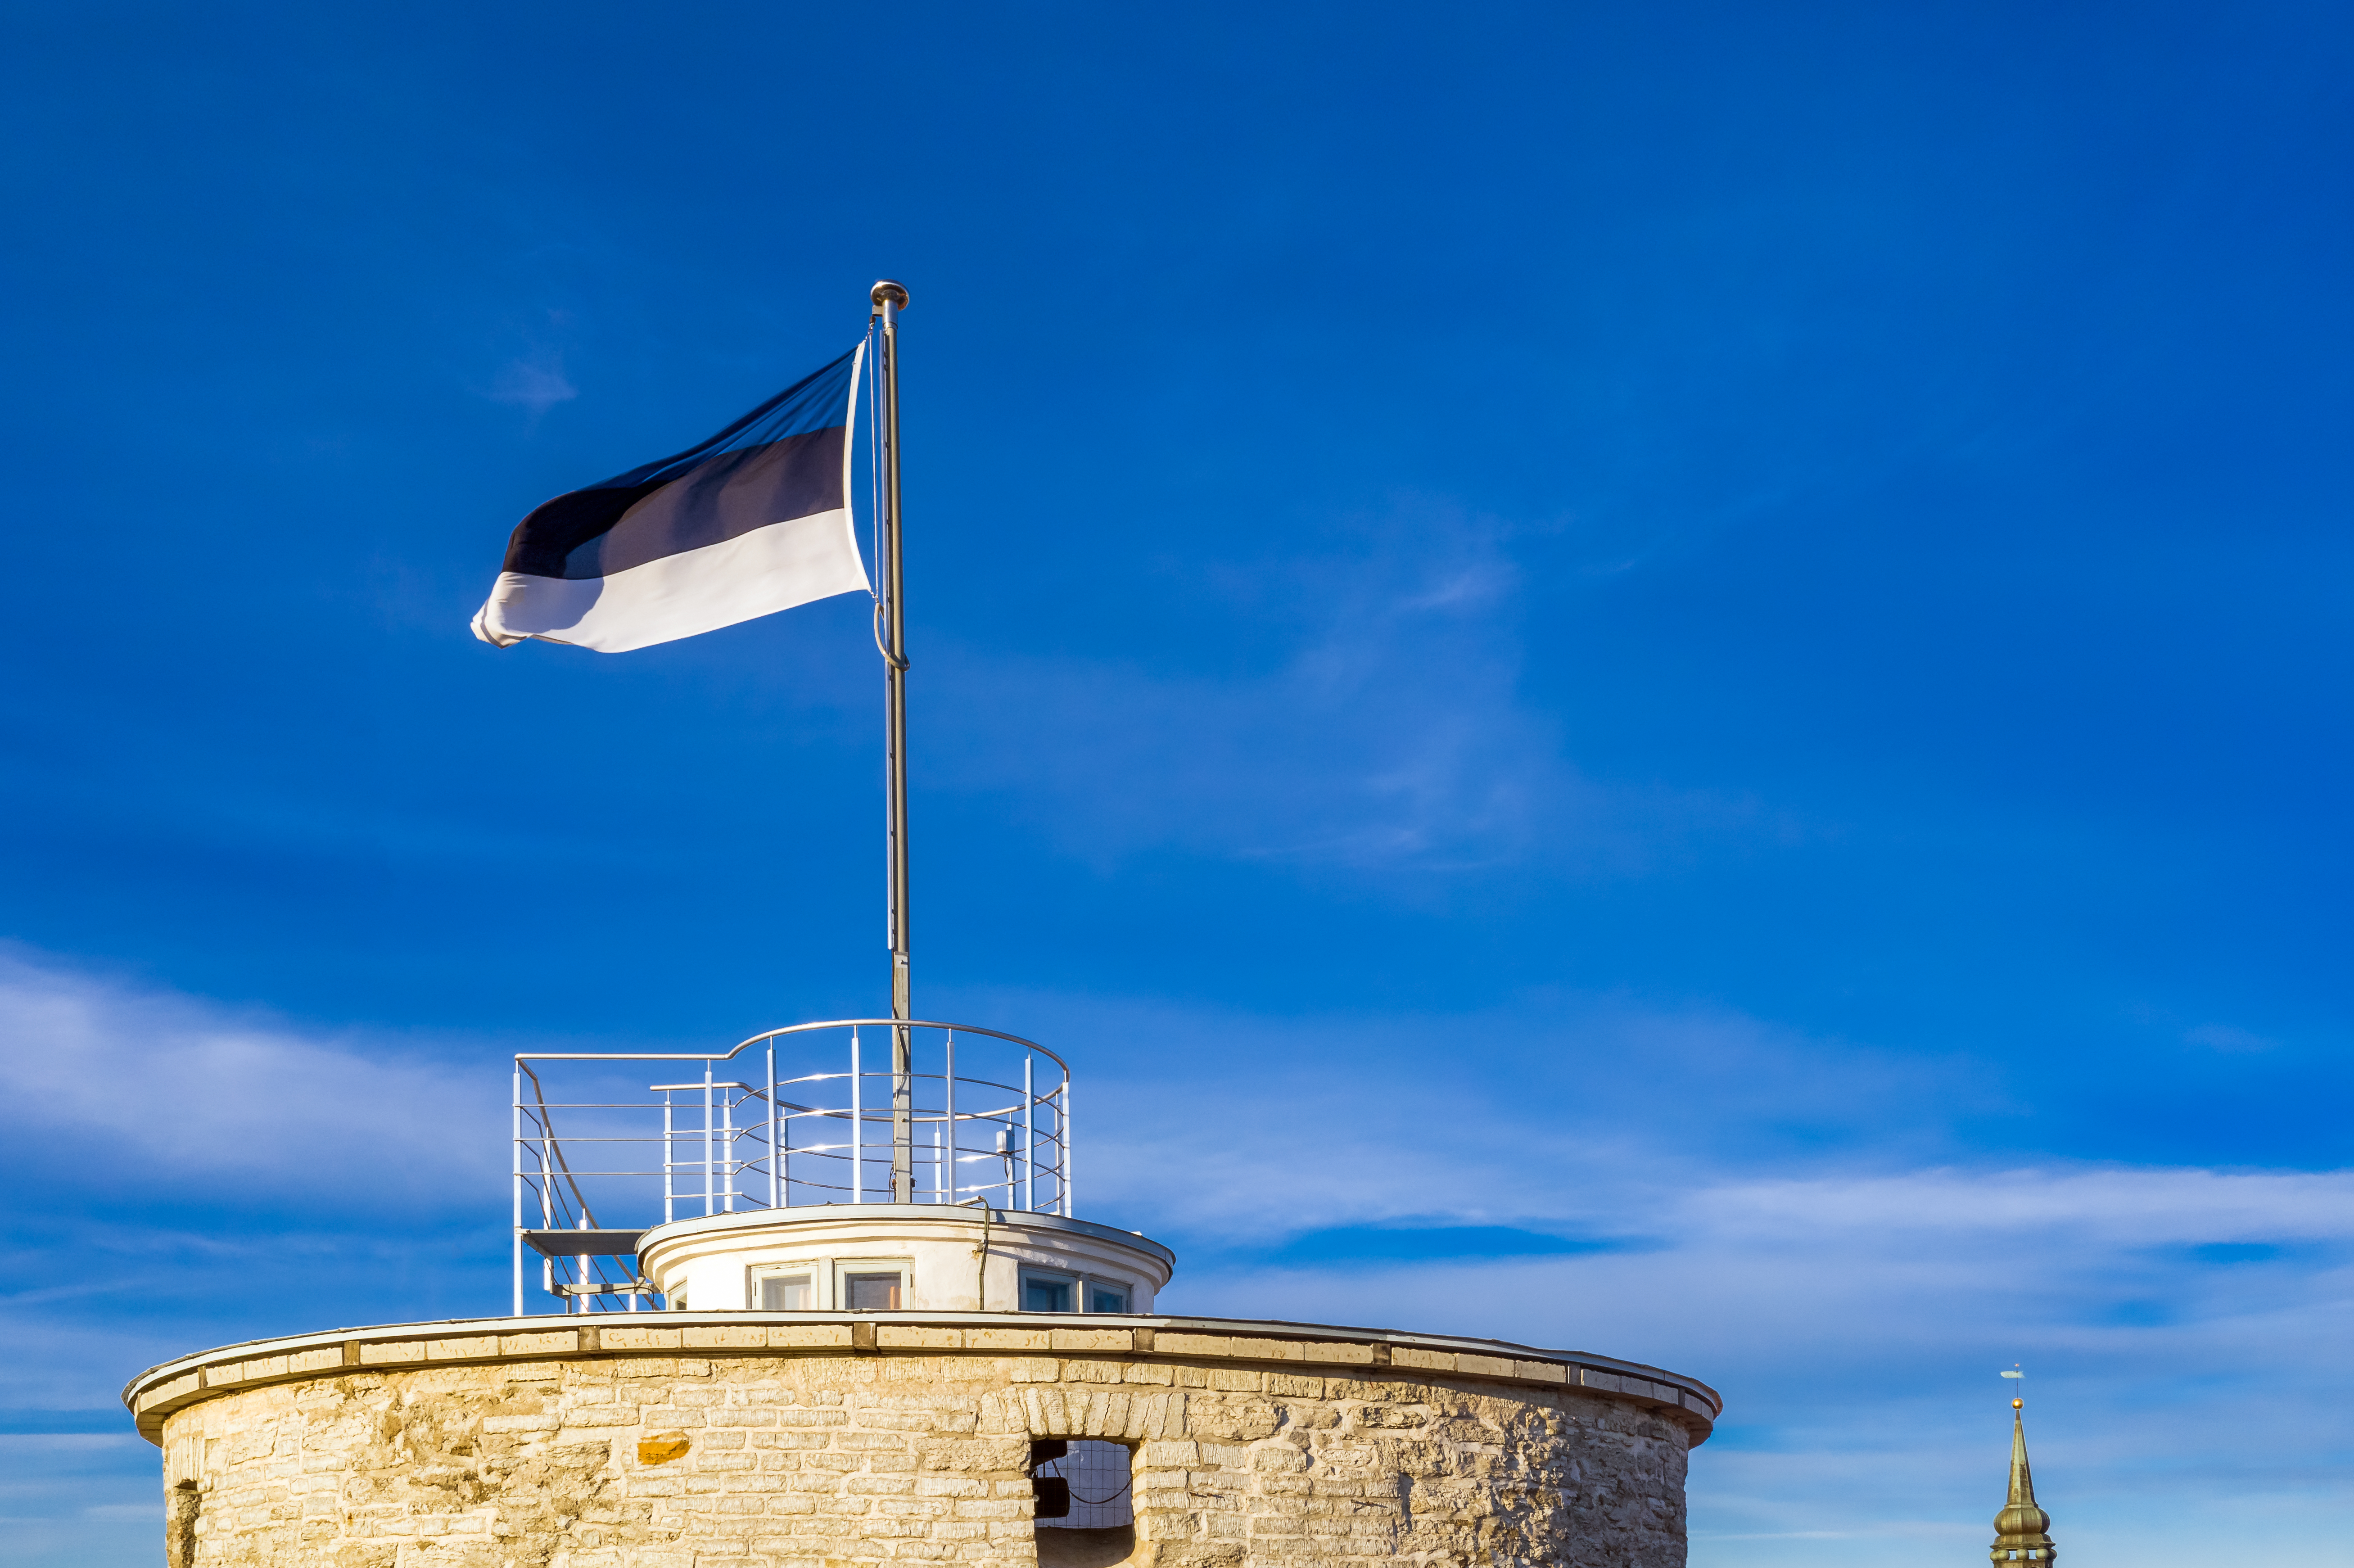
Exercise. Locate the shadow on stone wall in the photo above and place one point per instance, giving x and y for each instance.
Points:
(1086, 1548)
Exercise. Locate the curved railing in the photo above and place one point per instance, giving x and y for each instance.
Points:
(851, 1110)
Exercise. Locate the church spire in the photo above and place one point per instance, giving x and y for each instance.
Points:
(2021, 1531)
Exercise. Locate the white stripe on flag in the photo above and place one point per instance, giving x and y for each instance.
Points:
(752, 575)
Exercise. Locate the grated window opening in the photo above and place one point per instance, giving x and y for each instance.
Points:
(871, 1292)
(1098, 1477)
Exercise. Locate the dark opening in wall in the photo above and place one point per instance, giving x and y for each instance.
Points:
(1086, 1514)
(181, 1504)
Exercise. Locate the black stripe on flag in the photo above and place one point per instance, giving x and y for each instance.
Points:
(781, 461)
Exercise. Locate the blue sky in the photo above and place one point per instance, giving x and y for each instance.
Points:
(1669, 680)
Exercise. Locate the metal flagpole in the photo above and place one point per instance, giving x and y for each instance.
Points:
(890, 299)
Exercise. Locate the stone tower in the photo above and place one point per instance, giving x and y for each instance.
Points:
(863, 1325)
(2022, 1530)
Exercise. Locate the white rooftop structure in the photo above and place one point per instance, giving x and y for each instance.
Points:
(856, 1165)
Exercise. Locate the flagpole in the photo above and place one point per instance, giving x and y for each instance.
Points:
(890, 299)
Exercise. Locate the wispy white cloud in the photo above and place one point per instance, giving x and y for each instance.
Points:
(1855, 1326)
(2228, 1038)
(2182, 1327)
(2137, 1206)
(143, 1089)
(1356, 1119)
(534, 381)
(1391, 734)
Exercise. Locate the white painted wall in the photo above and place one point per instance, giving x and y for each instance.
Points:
(938, 1250)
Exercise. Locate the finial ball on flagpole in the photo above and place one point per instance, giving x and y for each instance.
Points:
(887, 289)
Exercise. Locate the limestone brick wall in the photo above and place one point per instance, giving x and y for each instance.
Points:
(840, 1454)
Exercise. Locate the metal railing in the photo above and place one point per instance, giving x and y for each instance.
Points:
(854, 1110)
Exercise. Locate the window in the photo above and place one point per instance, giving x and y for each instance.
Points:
(1107, 1297)
(871, 1292)
(1082, 1484)
(787, 1293)
(1048, 1293)
(868, 1285)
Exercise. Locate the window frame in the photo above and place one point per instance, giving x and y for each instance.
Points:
(1075, 1283)
(1082, 1285)
(820, 1273)
(844, 1267)
(809, 1272)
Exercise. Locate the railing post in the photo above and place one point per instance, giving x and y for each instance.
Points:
(858, 1125)
(776, 1148)
(670, 1168)
(1029, 1133)
(727, 1145)
(710, 1165)
(518, 1239)
(950, 1076)
(1064, 1117)
(547, 1210)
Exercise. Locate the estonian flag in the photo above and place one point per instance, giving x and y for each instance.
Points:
(755, 520)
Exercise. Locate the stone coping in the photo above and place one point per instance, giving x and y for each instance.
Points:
(1363, 1352)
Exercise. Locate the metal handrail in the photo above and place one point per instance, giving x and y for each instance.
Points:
(753, 1164)
(789, 1029)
